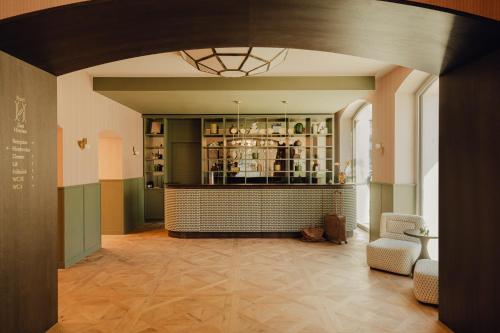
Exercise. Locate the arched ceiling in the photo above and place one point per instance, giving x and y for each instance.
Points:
(69, 38)
(485, 8)
(297, 63)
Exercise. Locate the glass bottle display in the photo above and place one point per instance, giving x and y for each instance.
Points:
(154, 153)
(268, 149)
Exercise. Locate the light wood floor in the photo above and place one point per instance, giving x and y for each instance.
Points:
(148, 282)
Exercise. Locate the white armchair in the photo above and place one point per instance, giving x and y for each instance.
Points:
(394, 251)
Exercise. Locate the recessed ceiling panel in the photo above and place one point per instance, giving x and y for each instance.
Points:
(220, 102)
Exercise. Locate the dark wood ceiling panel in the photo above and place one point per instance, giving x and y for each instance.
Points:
(73, 37)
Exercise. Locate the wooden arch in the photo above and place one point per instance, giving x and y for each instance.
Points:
(68, 38)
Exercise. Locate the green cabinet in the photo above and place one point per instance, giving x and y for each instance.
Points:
(153, 204)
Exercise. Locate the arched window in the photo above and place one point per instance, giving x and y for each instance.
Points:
(362, 163)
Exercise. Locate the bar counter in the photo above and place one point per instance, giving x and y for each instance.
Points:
(252, 210)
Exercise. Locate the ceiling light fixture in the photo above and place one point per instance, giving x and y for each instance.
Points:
(235, 61)
(237, 130)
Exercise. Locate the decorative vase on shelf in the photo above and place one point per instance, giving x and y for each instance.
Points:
(214, 129)
(348, 171)
(276, 128)
(299, 128)
(341, 177)
(259, 167)
(233, 130)
(315, 129)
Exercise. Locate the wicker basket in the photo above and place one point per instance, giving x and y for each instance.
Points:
(313, 234)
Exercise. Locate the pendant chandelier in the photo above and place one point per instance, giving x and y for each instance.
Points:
(237, 142)
(235, 61)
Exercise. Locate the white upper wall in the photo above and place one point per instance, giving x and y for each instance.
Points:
(83, 113)
(110, 158)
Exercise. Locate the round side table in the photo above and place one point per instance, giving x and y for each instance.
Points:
(424, 239)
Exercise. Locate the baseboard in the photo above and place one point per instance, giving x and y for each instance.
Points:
(194, 234)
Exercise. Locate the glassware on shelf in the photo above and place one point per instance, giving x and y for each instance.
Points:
(233, 130)
(214, 128)
(272, 149)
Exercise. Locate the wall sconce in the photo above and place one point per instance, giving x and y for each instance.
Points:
(134, 151)
(82, 143)
(380, 147)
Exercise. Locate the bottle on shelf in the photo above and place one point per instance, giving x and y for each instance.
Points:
(259, 167)
(315, 169)
(211, 174)
(348, 171)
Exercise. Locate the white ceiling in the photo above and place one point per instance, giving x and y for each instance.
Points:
(297, 63)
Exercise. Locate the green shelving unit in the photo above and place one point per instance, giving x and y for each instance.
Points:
(154, 166)
(264, 149)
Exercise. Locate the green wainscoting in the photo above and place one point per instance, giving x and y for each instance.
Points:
(133, 207)
(81, 222)
(399, 198)
(405, 198)
(73, 225)
(92, 217)
(80, 217)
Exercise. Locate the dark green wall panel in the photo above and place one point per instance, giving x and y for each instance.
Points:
(184, 130)
(140, 198)
(133, 203)
(129, 205)
(184, 145)
(73, 224)
(92, 217)
(82, 222)
(28, 197)
(153, 204)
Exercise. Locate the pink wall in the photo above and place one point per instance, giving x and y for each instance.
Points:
(384, 109)
(60, 173)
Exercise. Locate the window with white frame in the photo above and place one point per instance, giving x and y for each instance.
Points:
(428, 185)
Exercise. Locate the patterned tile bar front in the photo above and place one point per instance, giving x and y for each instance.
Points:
(205, 209)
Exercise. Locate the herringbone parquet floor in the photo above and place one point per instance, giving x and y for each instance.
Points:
(148, 282)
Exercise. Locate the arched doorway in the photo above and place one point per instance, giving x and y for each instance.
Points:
(135, 28)
(417, 37)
